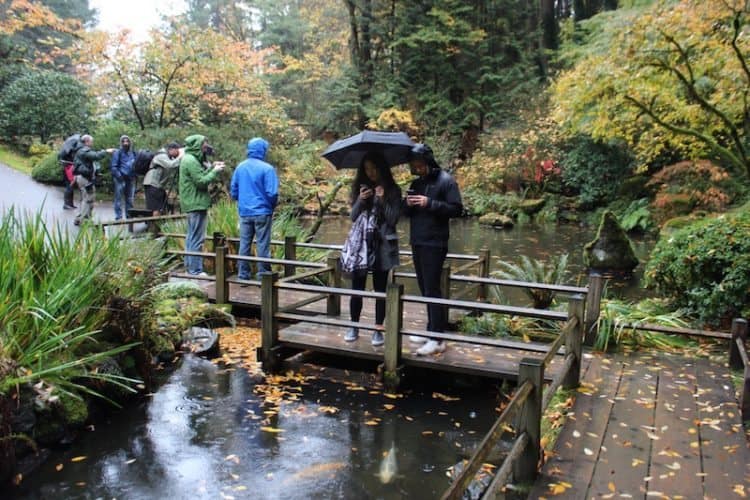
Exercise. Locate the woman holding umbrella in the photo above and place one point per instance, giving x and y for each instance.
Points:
(372, 243)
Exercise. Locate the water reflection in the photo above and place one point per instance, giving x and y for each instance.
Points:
(204, 434)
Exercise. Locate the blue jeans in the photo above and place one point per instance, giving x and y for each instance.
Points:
(260, 227)
(124, 188)
(196, 233)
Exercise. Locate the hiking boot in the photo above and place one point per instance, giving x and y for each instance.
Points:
(377, 338)
(431, 347)
(351, 335)
(417, 340)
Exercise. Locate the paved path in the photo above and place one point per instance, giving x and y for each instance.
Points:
(20, 191)
(651, 426)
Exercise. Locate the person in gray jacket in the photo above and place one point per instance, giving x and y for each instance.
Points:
(86, 166)
(160, 174)
(372, 244)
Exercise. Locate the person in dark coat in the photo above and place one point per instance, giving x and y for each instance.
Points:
(85, 170)
(372, 244)
(431, 201)
(123, 177)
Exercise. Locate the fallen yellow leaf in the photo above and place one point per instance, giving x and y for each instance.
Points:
(78, 459)
(271, 429)
(59, 467)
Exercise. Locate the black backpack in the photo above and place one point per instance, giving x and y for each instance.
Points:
(69, 148)
(143, 161)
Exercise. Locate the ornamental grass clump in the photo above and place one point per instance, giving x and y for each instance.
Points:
(55, 291)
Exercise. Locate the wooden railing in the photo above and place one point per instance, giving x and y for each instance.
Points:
(528, 404)
(153, 222)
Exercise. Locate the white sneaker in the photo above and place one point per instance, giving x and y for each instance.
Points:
(431, 347)
(417, 340)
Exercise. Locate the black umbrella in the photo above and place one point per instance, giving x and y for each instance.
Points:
(348, 152)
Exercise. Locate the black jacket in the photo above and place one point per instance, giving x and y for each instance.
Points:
(429, 225)
(84, 162)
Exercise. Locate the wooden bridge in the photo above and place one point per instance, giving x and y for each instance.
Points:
(298, 315)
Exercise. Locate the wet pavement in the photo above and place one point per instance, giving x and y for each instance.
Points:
(19, 190)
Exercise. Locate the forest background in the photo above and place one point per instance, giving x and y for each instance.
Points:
(551, 109)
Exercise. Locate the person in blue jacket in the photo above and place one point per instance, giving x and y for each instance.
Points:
(255, 186)
(123, 176)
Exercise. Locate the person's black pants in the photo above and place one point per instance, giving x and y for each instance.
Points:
(379, 282)
(428, 263)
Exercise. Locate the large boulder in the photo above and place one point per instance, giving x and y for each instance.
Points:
(611, 250)
(496, 220)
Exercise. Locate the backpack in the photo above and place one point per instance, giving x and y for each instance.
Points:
(69, 148)
(142, 161)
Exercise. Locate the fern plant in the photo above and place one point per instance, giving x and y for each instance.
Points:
(554, 272)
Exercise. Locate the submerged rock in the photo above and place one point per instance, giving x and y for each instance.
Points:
(496, 220)
(530, 207)
(611, 250)
(202, 341)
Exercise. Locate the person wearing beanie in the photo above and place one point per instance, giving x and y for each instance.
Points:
(431, 201)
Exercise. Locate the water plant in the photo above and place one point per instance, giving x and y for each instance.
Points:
(552, 271)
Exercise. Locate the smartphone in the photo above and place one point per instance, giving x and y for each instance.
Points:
(410, 192)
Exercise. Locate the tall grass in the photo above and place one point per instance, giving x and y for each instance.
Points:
(617, 318)
(54, 292)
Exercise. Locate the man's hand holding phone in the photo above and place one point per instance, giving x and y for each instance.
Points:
(415, 200)
(218, 165)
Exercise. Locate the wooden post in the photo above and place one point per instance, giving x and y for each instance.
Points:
(290, 253)
(220, 269)
(484, 272)
(269, 306)
(593, 307)
(445, 289)
(333, 302)
(739, 330)
(574, 342)
(393, 324)
(529, 420)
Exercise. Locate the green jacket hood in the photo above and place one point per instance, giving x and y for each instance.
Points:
(193, 145)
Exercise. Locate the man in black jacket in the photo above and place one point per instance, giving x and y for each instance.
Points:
(85, 169)
(432, 199)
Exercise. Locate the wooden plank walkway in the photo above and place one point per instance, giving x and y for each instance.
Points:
(650, 425)
(487, 361)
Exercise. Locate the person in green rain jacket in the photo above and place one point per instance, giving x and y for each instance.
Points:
(195, 176)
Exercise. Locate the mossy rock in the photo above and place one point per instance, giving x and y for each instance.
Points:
(530, 207)
(496, 220)
(677, 223)
(74, 410)
(178, 290)
(611, 250)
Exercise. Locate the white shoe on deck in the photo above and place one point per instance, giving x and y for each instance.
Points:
(417, 340)
(431, 347)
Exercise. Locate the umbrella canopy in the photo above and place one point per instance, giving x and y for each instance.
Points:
(348, 152)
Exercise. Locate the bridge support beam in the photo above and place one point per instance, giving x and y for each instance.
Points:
(269, 307)
(393, 325)
(530, 420)
(593, 307)
(574, 342)
(290, 253)
(333, 302)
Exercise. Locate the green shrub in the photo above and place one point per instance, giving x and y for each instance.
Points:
(552, 272)
(705, 267)
(48, 170)
(595, 169)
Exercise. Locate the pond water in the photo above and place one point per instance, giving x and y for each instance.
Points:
(215, 432)
(210, 432)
